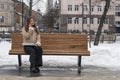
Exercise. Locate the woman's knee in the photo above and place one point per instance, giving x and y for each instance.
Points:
(39, 48)
(29, 50)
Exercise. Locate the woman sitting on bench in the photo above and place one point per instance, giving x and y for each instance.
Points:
(32, 45)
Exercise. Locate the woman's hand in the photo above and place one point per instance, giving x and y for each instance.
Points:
(38, 44)
(31, 28)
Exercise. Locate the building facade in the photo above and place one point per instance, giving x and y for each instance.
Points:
(6, 15)
(75, 15)
(21, 14)
(117, 15)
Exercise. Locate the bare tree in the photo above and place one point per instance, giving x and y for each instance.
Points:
(106, 8)
(30, 10)
(31, 4)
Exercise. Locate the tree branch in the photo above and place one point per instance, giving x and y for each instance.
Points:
(36, 2)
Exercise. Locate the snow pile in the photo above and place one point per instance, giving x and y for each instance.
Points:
(104, 55)
(5, 59)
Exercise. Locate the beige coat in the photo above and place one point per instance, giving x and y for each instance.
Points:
(31, 37)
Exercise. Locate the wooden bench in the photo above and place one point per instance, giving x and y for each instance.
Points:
(55, 44)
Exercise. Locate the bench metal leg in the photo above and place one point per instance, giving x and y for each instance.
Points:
(19, 60)
(79, 64)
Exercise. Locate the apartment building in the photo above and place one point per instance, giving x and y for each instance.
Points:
(21, 14)
(6, 15)
(75, 15)
(117, 15)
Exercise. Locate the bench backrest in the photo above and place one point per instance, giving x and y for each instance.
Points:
(58, 42)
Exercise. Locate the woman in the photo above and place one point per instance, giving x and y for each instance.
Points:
(32, 45)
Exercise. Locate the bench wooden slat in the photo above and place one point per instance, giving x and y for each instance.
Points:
(64, 36)
(53, 52)
(65, 47)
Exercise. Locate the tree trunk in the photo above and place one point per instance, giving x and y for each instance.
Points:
(97, 38)
(30, 10)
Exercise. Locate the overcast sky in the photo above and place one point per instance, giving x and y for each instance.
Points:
(40, 5)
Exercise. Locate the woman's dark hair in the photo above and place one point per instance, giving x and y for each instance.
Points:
(27, 26)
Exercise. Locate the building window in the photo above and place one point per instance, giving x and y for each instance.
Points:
(117, 14)
(76, 21)
(117, 8)
(1, 19)
(76, 7)
(98, 20)
(91, 21)
(84, 7)
(84, 20)
(99, 8)
(1, 6)
(69, 20)
(117, 22)
(106, 21)
(69, 7)
(92, 8)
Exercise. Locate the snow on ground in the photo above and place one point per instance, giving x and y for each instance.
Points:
(104, 55)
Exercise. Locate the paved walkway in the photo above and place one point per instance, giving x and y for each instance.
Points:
(8, 72)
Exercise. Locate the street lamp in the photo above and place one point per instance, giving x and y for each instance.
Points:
(15, 4)
(89, 23)
(1, 21)
(82, 16)
(22, 12)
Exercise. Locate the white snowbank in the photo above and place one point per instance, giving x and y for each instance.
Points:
(104, 55)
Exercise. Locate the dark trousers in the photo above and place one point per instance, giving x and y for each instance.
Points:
(35, 53)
